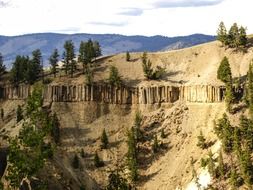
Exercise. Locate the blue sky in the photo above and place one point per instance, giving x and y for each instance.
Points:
(129, 17)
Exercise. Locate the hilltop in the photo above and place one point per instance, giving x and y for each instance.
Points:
(10, 46)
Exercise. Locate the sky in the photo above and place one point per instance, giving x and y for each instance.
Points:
(127, 17)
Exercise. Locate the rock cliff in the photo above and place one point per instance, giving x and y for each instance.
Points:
(104, 93)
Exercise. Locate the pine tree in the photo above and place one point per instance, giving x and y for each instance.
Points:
(117, 182)
(155, 145)
(201, 140)
(246, 167)
(53, 61)
(137, 126)
(221, 166)
(211, 165)
(19, 114)
(114, 77)
(104, 140)
(233, 36)
(97, 49)
(229, 97)
(19, 71)
(34, 67)
(97, 162)
(225, 131)
(234, 179)
(75, 162)
(82, 57)
(69, 55)
(224, 71)
(237, 141)
(132, 155)
(128, 56)
(222, 34)
(225, 75)
(249, 89)
(242, 37)
(2, 114)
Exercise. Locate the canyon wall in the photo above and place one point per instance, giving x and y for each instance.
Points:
(104, 93)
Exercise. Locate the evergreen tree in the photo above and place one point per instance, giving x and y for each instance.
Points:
(237, 141)
(242, 37)
(225, 131)
(211, 165)
(114, 77)
(34, 101)
(82, 57)
(201, 140)
(246, 132)
(137, 126)
(19, 114)
(97, 162)
(249, 89)
(132, 155)
(2, 114)
(221, 166)
(19, 69)
(225, 75)
(97, 49)
(234, 179)
(53, 60)
(128, 56)
(229, 97)
(2, 66)
(222, 34)
(116, 181)
(34, 67)
(233, 36)
(75, 162)
(155, 145)
(224, 71)
(246, 167)
(69, 55)
(104, 140)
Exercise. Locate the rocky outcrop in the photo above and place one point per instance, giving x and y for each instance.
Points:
(105, 93)
(110, 94)
(10, 92)
(202, 93)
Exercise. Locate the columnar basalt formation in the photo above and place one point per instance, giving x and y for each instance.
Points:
(202, 93)
(10, 92)
(104, 93)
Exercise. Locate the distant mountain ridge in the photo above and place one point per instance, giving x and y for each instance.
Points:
(10, 46)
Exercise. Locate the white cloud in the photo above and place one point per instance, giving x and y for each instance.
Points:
(131, 17)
